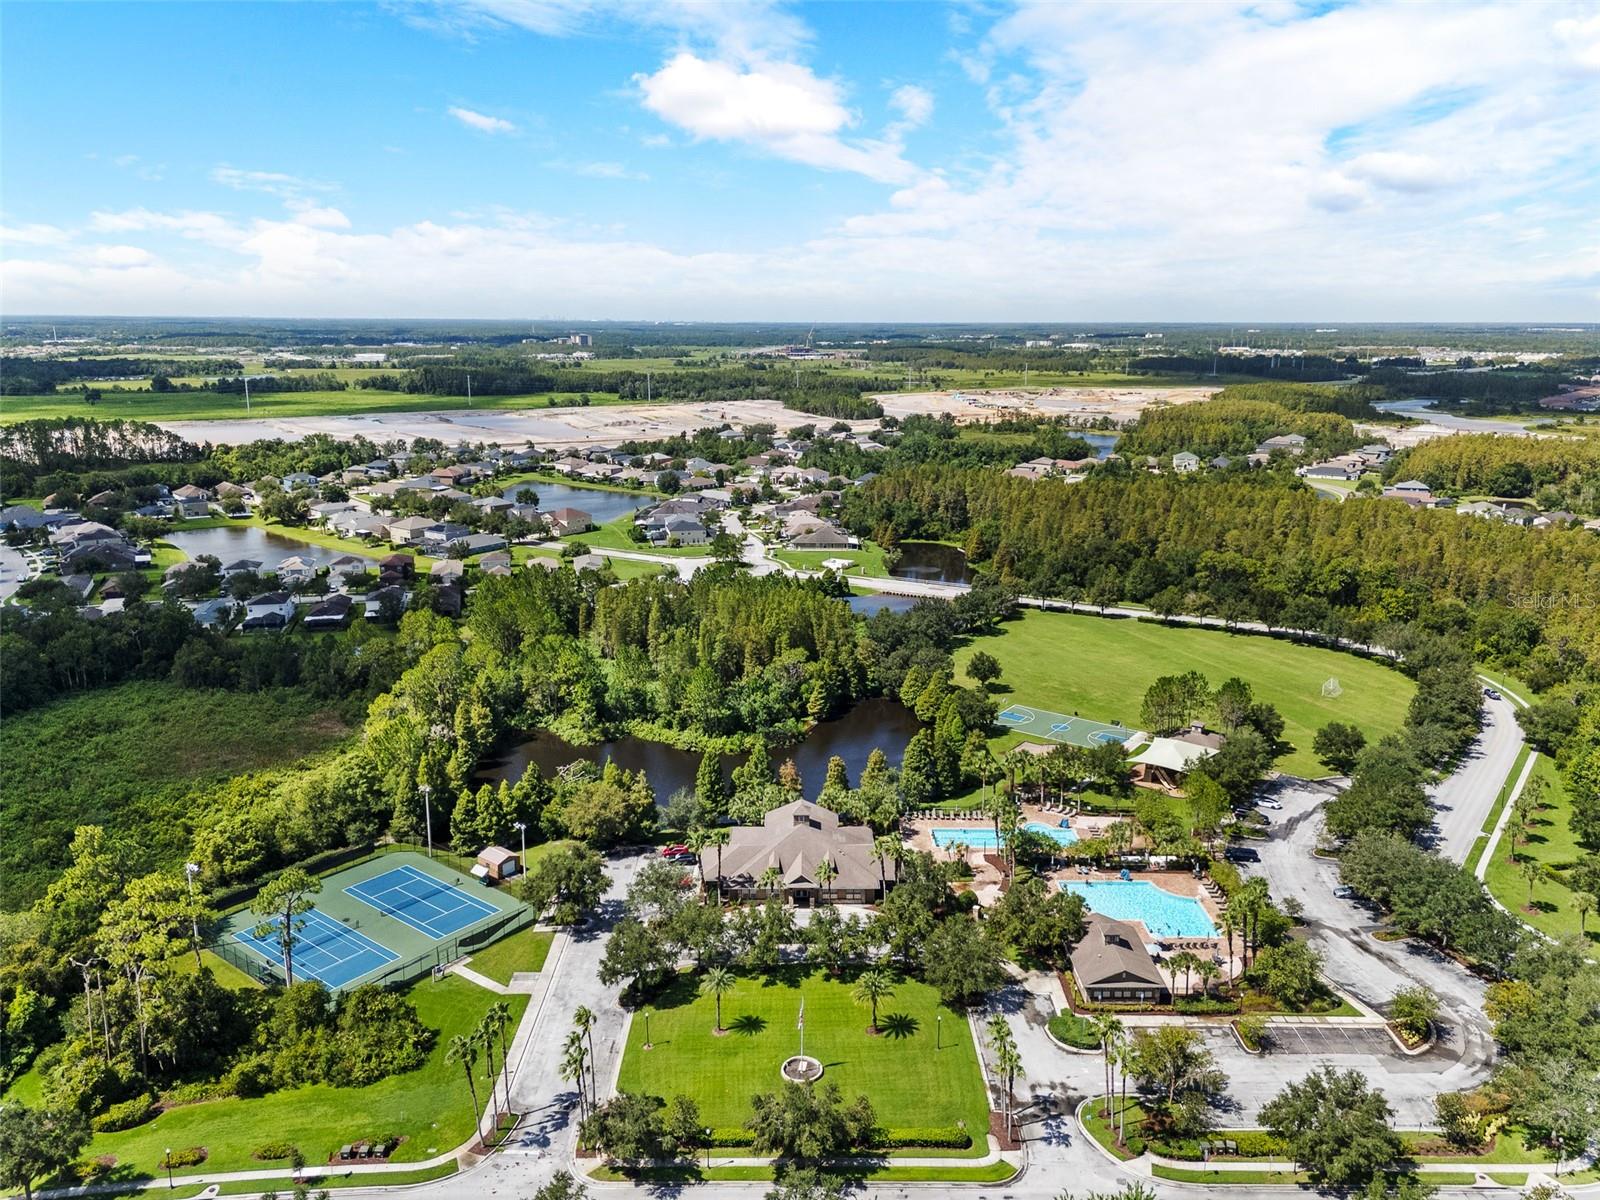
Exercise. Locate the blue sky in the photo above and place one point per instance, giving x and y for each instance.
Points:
(841, 161)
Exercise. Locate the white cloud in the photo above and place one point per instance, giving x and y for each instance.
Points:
(1403, 171)
(913, 103)
(781, 108)
(597, 170)
(38, 234)
(118, 256)
(482, 122)
(273, 183)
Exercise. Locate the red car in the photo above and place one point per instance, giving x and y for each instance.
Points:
(675, 850)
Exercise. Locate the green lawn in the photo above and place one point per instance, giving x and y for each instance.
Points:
(1101, 667)
(1549, 841)
(909, 1083)
(613, 535)
(524, 950)
(868, 559)
(429, 1107)
(997, 1172)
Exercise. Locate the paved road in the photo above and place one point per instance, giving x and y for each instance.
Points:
(13, 571)
(1462, 800)
(1373, 971)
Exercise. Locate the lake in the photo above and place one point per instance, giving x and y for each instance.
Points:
(931, 561)
(1417, 407)
(872, 724)
(1103, 443)
(874, 603)
(232, 542)
(601, 505)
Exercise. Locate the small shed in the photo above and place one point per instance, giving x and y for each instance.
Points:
(496, 862)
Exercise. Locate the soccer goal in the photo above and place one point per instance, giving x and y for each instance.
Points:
(1332, 688)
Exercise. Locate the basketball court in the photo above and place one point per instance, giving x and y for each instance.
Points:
(1058, 727)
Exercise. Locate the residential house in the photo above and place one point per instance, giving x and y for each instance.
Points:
(588, 562)
(270, 610)
(479, 543)
(360, 525)
(21, 516)
(402, 565)
(296, 569)
(564, 522)
(346, 566)
(441, 536)
(322, 512)
(296, 480)
(492, 504)
(410, 530)
(685, 531)
(190, 492)
(793, 841)
(332, 613)
(824, 537)
(1289, 443)
(1112, 965)
(1183, 462)
(380, 598)
(242, 566)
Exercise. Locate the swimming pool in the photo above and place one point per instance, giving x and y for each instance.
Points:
(984, 839)
(1161, 912)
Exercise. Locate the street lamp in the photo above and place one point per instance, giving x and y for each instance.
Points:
(169, 1168)
(938, 1031)
(708, 1147)
(647, 1043)
(522, 830)
(427, 817)
(190, 870)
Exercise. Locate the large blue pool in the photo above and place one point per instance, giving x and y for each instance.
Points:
(981, 838)
(1162, 913)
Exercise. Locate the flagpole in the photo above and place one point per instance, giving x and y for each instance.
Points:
(802, 1026)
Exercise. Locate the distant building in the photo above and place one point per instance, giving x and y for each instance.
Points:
(794, 840)
(1183, 462)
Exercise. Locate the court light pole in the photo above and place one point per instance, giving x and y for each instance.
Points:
(427, 817)
(522, 830)
(190, 870)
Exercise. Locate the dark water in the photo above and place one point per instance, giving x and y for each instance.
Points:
(232, 542)
(931, 561)
(876, 602)
(872, 724)
(603, 506)
(1103, 443)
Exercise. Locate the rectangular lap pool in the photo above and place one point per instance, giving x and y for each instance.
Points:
(1162, 913)
(979, 838)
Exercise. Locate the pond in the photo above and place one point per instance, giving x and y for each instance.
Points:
(1419, 408)
(872, 724)
(601, 505)
(1103, 443)
(874, 603)
(232, 542)
(931, 562)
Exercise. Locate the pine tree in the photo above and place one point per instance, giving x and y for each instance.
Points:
(710, 788)
(919, 770)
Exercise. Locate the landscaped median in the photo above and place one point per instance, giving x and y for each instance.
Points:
(1260, 1156)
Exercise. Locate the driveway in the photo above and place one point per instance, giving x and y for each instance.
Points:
(1463, 799)
(1357, 963)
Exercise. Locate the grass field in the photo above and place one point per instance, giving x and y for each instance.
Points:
(909, 1083)
(613, 535)
(1101, 667)
(524, 950)
(211, 406)
(1549, 841)
(429, 1107)
(868, 559)
(1480, 845)
(129, 757)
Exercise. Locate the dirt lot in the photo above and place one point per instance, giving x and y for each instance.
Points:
(1121, 404)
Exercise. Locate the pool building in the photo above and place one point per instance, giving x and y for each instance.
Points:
(1112, 966)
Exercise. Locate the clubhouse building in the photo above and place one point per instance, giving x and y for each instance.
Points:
(783, 856)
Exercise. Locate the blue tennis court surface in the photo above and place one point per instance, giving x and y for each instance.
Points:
(323, 950)
(428, 905)
(1058, 727)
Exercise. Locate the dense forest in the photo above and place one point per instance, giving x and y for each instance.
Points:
(1233, 424)
(1250, 547)
(1558, 472)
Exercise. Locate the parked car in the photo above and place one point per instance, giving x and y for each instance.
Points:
(1269, 802)
(1241, 854)
(674, 850)
(1492, 694)
(1345, 892)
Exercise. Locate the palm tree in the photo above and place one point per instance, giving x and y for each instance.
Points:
(464, 1050)
(1584, 903)
(826, 873)
(1208, 972)
(1009, 1062)
(718, 982)
(583, 1020)
(575, 1067)
(771, 880)
(696, 841)
(500, 1014)
(1125, 1062)
(885, 849)
(719, 838)
(1532, 870)
(1108, 1029)
(872, 987)
(484, 1036)
(1227, 929)
(1185, 962)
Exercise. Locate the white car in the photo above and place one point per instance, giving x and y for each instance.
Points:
(1269, 802)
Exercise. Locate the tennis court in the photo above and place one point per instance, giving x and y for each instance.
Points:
(323, 949)
(426, 903)
(1058, 727)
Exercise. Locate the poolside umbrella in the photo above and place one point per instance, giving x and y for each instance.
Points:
(1125, 873)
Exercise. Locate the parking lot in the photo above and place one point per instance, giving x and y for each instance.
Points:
(1329, 1040)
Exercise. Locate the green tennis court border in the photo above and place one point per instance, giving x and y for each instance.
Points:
(416, 951)
(1058, 727)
